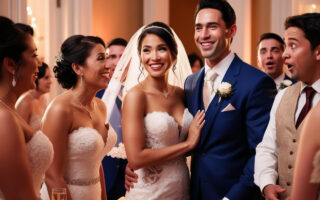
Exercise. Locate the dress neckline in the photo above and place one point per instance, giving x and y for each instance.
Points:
(94, 130)
(180, 127)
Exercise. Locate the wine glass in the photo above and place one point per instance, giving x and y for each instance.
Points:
(59, 194)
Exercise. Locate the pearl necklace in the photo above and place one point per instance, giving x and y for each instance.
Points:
(90, 113)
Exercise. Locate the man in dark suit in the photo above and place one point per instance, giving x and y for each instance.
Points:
(270, 50)
(114, 167)
(237, 98)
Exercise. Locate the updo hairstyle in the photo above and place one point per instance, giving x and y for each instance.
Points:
(75, 49)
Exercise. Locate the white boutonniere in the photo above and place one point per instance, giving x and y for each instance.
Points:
(285, 83)
(224, 90)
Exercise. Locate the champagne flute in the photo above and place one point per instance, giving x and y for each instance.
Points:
(59, 194)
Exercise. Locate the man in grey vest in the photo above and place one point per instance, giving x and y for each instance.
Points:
(276, 154)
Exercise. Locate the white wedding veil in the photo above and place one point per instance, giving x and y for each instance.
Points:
(136, 73)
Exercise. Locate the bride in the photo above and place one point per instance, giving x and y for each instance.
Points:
(74, 121)
(157, 128)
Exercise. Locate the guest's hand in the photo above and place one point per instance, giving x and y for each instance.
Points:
(272, 192)
(130, 178)
(195, 129)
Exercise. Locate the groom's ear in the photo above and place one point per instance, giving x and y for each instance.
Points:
(231, 31)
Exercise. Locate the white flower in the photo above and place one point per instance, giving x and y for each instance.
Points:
(224, 90)
(118, 152)
(59, 57)
(285, 83)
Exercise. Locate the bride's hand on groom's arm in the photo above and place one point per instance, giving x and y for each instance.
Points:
(195, 129)
(130, 178)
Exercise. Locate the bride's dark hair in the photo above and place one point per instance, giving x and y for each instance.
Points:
(164, 32)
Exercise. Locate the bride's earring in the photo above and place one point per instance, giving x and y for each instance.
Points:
(81, 77)
(14, 83)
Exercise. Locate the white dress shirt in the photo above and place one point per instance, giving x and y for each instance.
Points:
(221, 69)
(279, 80)
(266, 159)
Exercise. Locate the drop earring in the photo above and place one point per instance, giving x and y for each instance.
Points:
(14, 83)
(81, 80)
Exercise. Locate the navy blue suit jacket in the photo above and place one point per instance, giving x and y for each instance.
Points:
(223, 162)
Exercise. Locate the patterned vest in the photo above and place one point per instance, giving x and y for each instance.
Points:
(287, 136)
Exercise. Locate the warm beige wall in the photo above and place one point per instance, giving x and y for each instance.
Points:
(182, 21)
(116, 18)
(260, 24)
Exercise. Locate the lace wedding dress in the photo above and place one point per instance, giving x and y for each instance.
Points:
(171, 179)
(40, 152)
(86, 149)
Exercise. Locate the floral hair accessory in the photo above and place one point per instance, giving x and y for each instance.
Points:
(224, 91)
(58, 57)
(285, 83)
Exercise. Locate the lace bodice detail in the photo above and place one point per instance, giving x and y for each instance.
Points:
(85, 151)
(171, 179)
(159, 124)
(35, 121)
(40, 153)
(315, 176)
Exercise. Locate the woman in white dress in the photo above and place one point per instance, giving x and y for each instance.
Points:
(157, 128)
(306, 179)
(25, 154)
(32, 104)
(74, 121)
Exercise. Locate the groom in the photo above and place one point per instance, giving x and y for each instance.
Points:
(237, 112)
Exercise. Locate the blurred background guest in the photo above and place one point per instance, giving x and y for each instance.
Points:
(270, 50)
(32, 104)
(195, 62)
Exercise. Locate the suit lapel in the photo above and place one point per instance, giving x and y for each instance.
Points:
(215, 107)
(197, 86)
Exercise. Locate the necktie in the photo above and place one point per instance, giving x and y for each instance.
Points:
(309, 95)
(208, 87)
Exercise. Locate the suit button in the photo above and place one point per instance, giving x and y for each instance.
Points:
(291, 152)
(294, 140)
(289, 166)
(288, 183)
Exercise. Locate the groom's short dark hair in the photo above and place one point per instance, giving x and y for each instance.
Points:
(228, 14)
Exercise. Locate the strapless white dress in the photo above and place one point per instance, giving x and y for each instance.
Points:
(40, 152)
(171, 179)
(35, 121)
(86, 149)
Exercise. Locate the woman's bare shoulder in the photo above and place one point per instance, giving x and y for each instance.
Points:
(136, 93)
(60, 105)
